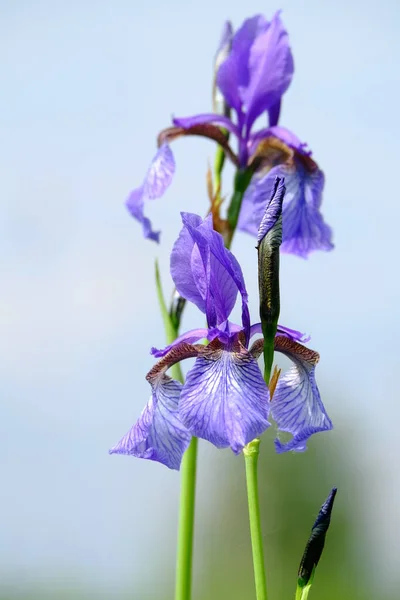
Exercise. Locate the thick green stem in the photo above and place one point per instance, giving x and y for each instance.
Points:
(183, 586)
(251, 453)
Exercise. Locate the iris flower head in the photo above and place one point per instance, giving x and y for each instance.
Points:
(254, 70)
(224, 399)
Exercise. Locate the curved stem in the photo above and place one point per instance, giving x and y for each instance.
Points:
(251, 453)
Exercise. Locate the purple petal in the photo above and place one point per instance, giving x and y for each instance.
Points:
(215, 119)
(274, 112)
(190, 337)
(187, 270)
(233, 75)
(159, 433)
(270, 70)
(160, 173)
(134, 204)
(157, 180)
(225, 399)
(304, 229)
(293, 334)
(296, 405)
(206, 273)
(284, 135)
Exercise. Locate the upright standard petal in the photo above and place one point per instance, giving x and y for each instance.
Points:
(270, 71)
(159, 433)
(206, 273)
(303, 227)
(225, 399)
(157, 180)
(233, 75)
(296, 405)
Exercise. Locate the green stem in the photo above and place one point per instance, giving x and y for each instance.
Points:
(186, 523)
(183, 585)
(251, 453)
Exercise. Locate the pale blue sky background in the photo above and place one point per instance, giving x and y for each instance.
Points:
(86, 86)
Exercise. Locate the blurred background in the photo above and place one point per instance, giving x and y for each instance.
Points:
(86, 87)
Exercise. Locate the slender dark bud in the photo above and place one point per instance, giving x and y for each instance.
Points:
(316, 542)
(269, 239)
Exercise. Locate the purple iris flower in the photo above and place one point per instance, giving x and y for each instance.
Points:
(255, 71)
(224, 398)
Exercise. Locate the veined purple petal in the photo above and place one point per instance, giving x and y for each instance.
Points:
(296, 405)
(215, 119)
(270, 70)
(134, 204)
(187, 269)
(303, 227)
(160, 173)
(159, 433)
(190, 337)
(157, 180)
(216, 279)
(225, 399)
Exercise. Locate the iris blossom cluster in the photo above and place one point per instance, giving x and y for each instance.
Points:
(224, 399)
(254, 72)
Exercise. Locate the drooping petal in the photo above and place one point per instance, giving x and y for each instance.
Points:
(225, 399)
(292, 334)
(159, 433)
(157, 180)
(270, 70)
(160, 173)
(134, 204)
(296, 405)
(303, 227)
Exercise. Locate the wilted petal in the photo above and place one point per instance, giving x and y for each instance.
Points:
(270, 70)
(159, 433)
(225, 399)
(134, 204)
(303, 227)
(296, 405)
